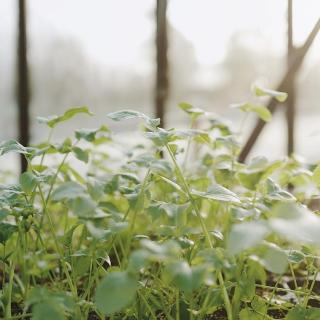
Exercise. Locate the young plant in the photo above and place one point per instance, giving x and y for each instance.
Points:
(153, 235)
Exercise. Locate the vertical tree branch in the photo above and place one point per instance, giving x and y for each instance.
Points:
(22, 80)
(298, 58)
(162, 83)
(290, 111)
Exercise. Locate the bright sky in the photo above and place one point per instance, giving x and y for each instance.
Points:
(113, 31)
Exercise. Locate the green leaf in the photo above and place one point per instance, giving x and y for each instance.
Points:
(190, 110)
(89, 134)
(227, 142)
(160, 166)
(117, 227)
(68, 190)
(296, 223)
(48, 311)
(52, 121)
(249, 180)
(68, 235)
(49, 305)
(198, 276)
(217, 258)
(295, 256)
(257, 164)
(200, 135)
(116, 291)
(130, 177)
(258, 304)
(256, 271)
(95, 189)
(180, 274)
(12, 146)
(96, 232)
(246, 235)
(257, 170)
(82, 155)
(28, 181)
(83, 207)
(217, 193)
(4, 213)
(132, 114)
(278, 95)
(37, 294)
(65, 146)
(262, 111)
(299, 313)
(275, 192)
(274, 259)
(248, 314)
(172, 184)
(167, 250)
(81, 264)
(161, 137)
(86, 134)
(125, 115)
(246, 287)
(138, 260)
(316, 175)
(6, 231)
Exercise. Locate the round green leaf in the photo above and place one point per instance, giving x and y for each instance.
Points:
(116, 291)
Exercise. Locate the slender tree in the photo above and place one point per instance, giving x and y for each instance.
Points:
(22, 80)
(162, 83)
(291, 87)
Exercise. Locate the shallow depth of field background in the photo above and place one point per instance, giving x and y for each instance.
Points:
(101, 53)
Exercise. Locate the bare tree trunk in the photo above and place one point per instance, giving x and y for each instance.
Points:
(299, 56)
(290, 111)
(22, 80)
(162, 83)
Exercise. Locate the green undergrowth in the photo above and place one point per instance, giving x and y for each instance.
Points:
(172, 228)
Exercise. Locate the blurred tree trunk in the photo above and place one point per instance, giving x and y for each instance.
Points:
(290, 110)
(22, 80)
(298, 59)
(162, 83)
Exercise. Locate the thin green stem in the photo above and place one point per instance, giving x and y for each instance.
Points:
(73, 288)
(135, 212)
(178, 305)
(271, 297)
(299, 292)
(204, 230)
(191, 307)
(188, 192)
(293, 276)
(9, 291)
(307, 297)
(48, 141)
(153, 316)
(186, 155)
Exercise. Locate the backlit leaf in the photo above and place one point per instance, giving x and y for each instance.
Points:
(52, 121)
(132, 114)
(278, 95)
(116, 291)
(192, 111)
(262, 111)
(68, 190)
(296, 223)
(246, 235)
(217, 193)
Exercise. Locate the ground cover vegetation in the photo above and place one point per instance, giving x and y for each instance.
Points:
(176, 229)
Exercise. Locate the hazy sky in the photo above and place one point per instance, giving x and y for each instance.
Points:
(113, 31)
